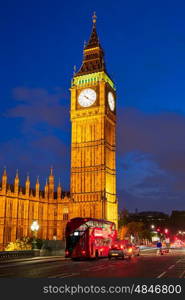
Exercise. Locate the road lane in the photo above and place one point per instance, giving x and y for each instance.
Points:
(148, 265)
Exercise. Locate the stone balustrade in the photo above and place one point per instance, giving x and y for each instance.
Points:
(18, 254)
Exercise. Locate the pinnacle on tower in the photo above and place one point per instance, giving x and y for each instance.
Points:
(51, 184)
(4, 176)
(27, 184)
(17, 174)
(93, 60)
(16, 177)
(4, 180)
(94, 39)
(37, 187)
(16, 182)
(51, 171)
(94, 17)
(4, 172)
(46, 190)
(37, 182)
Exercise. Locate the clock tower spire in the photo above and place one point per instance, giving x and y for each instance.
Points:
(93, 54)
(93, 144)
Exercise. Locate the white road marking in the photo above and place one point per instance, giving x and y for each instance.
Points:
(161, 274)
(70, 275)
(96, 269)
(57, 275)
(63, 275)
(178, 261)
(171, 267)
(182, 274)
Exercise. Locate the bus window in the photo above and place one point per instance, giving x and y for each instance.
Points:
(90, 224)
(95, 224)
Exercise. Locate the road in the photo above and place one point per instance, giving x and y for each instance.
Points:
(147, 265)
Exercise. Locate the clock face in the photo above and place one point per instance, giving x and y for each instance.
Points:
(87, 97)
(111, 101)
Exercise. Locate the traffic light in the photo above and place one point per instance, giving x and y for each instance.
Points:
(158, 229)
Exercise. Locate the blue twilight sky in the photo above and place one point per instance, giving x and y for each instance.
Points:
(144, 44)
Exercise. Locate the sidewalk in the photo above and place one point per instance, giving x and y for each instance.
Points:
(32, 259)
(143, 248)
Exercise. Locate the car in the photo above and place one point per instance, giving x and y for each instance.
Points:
(116, 252)
(122, 249)
(131, 250)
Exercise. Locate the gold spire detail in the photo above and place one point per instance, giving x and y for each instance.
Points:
(94, 17)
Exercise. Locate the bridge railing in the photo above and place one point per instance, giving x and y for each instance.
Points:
(18, 254)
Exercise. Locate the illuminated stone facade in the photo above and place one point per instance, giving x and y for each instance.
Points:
(93, 148)
(93, 164)
(19, 207)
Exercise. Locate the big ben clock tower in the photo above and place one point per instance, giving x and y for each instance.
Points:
(93, 145)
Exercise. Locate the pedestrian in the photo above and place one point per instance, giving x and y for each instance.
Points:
(159, 247)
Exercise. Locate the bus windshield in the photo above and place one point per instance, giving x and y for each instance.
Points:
(73, 238)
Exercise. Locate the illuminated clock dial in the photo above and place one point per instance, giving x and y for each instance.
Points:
(87, 97)
(111, 101)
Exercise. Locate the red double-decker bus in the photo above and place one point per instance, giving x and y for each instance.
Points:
(89, 238)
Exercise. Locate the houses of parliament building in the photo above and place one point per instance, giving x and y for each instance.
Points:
(93, 161)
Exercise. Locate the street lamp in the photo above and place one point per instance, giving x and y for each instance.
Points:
(152, 226)
(35, 228)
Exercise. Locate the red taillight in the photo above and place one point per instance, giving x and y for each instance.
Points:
(83, 251)
(67, 252)
(121, 247)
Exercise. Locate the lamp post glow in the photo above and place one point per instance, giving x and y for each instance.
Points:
(34, 228)
(166, 230)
